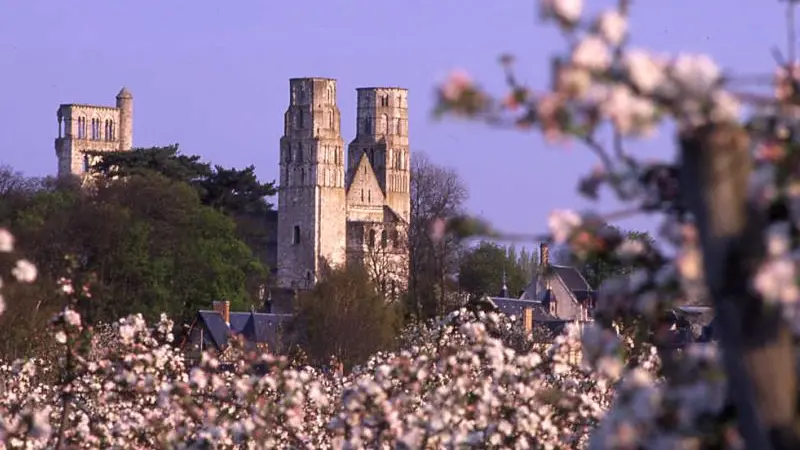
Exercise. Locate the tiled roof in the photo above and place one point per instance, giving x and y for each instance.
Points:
(572, 278)
(515, 307)
(216, 327)
(254, 327)
(239, 321)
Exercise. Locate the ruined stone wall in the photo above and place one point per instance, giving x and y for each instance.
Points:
(83, 128)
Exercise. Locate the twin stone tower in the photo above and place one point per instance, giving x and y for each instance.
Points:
(332, 210)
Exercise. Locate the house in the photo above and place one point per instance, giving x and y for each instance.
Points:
(213, 330)
(556, 294)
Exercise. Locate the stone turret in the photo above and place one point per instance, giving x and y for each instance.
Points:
(125, 106)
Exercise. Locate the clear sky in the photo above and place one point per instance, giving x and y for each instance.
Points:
(213, 76)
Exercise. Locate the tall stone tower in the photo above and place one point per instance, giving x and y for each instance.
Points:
(83, 128)
(311, 196)
(382, 134)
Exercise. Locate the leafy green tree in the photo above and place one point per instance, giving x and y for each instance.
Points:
(167, 161)
(235, 192)
(483, 269)
(231, 191)
(145, 244)
(345, 318)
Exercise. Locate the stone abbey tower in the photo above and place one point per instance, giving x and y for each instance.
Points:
(84, 128)
(332, 210)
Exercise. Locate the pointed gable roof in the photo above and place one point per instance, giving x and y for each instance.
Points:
(363, 177)
(571, 277)
(216, 327)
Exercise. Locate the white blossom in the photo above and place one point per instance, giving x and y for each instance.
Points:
(592, 53)
(568, 11)
(24, 271)
(6, 241)
(563, 223)
(612, 26)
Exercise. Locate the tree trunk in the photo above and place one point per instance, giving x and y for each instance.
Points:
(757, 344)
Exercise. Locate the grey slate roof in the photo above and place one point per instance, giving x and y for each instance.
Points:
(572, 278)
(515, 307)
(216, 327)
(254, 327)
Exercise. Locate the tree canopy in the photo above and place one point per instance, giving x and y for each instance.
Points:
(146, 245)
(485, 268)
(345, 317)
(232, 191)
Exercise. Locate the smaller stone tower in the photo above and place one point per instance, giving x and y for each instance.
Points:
(311, 197)
(382, 134)
(83, 128)
(125, 107)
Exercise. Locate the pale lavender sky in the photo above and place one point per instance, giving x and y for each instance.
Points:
(213, 76)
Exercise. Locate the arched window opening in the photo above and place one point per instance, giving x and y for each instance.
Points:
(399, 101)
(287, 153)
(386, 124)
(86, 163)
(399, 130)
(299, 153)
(300, 119)
(384, 239)
(302, 177)
(371, 241)
(96, 129)
(362, 195)
(330, 121)
(296, 235)
(368, 125)
(369, 196)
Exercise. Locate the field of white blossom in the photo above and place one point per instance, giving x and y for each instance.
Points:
(730, 206)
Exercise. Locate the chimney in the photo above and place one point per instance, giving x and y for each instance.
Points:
(218, 307)
(226, 312)
(544, 255)
(527, 319)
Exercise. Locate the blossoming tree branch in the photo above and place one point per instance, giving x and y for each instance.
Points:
(729, 200)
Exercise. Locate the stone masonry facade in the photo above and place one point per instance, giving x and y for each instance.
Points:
(335, 207)
(83, 128)
(334, 210)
